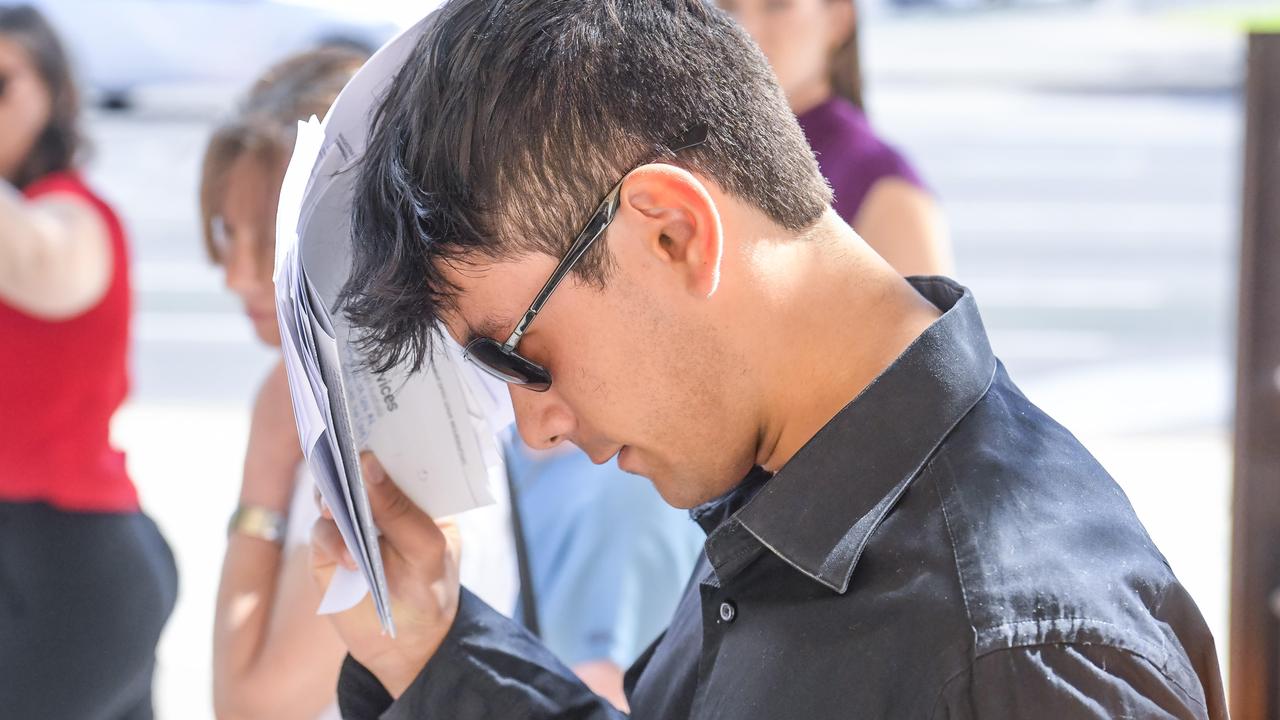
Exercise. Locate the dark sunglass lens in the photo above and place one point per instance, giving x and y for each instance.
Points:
(538, 386)
(489, 356)
(533, 377)
(506, 365)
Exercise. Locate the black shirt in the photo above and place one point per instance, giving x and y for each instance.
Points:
(940, 549)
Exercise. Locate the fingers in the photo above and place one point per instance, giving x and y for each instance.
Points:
(407, 531)
(328, 548)
(372, 469)
(403, 524)
(321, 505)
(452, 537)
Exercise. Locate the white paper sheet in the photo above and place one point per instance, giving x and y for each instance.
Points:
(435, 430)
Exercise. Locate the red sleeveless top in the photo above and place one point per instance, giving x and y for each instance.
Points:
(60, 384)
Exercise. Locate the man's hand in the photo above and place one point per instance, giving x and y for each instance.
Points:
(421, 560)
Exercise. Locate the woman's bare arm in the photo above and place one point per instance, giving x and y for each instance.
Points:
(55, 254)
(273, 656)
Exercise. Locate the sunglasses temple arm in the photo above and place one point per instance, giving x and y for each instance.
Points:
(561, 271)
(579, 248)
(536, 307)
(692, 137)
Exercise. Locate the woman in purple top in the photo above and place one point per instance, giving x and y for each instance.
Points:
(813, 47)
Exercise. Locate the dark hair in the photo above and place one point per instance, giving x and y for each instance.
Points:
(265, 123)
(58, 147)
(514, 117)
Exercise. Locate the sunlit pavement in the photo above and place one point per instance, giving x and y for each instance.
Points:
(1096, 222)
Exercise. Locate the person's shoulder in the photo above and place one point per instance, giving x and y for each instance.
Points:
(1009, 456)
(566, 500)
(850, 130)
(71, 184)
(1049, 553)
(559, 495)
(63, 181)
(852, 155)
(275, 384)
(66, 182)
(1046, 544)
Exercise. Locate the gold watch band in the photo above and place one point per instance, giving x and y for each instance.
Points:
(258, 522)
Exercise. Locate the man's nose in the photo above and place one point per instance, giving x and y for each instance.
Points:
(542, 418)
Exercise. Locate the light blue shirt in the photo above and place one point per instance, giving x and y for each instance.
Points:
(608, 557)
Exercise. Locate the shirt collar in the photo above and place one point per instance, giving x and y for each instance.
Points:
(713, 513)
(818, 512)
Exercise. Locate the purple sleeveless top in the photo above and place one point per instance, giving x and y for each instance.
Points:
(850, 155)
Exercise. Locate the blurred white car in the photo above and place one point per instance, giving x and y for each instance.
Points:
(122, 45)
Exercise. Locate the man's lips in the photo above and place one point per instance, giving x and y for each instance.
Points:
(623, 461)
(600, 458)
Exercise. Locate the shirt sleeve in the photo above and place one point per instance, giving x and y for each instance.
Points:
(1073, 682)
(487, 667)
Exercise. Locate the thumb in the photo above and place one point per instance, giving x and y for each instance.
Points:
(410, 530)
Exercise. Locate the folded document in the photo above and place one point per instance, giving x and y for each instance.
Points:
(435, 431)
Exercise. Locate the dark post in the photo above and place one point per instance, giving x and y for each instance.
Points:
(1255, 562)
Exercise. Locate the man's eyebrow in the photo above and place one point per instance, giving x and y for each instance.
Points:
(492, 326)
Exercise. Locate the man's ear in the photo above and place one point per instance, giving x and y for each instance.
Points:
(677, 222)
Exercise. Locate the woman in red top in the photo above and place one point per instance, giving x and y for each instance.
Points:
(86, 580)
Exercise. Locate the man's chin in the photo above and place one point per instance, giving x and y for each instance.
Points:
(629, 462)
(676, 499)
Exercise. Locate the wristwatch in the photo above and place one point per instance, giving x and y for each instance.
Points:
(258, 522)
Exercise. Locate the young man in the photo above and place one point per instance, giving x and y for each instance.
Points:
(893, 529)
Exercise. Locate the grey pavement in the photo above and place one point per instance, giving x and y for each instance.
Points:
(1097, 222)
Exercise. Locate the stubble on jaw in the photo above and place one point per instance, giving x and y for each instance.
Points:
(701, 415)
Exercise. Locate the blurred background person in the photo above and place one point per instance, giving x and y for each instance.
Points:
(273, 657)
(607, 560)
(86, 580)
(813, 48)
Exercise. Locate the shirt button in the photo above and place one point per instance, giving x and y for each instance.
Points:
(728, 611)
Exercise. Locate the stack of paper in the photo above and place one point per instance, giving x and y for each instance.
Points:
(435, 431)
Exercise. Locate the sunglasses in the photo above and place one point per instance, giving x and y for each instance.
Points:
(501, 360)
(4, 83)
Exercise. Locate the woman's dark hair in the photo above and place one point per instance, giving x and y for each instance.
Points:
(57, 148)
(846, 67)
